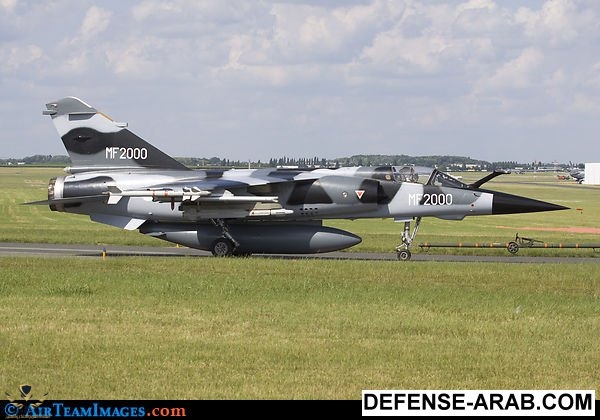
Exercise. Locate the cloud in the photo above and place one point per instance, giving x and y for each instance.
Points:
(517, 73)
(14, 58)
(592, 78)
(8, 5)
(73, 50)
(95, 21)
(136, 58)
(335, 76)
(584, 104)
(558, 22)
(155, 9)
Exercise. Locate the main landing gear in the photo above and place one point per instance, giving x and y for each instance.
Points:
(226, 245)
(402, 250)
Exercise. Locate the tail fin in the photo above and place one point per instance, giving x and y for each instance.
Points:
(96, 142)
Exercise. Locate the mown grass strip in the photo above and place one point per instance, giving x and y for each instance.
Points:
(145, 328)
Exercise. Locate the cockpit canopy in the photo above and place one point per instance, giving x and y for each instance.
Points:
(442, 179)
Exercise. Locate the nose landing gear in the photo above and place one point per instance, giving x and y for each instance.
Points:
(402, 251)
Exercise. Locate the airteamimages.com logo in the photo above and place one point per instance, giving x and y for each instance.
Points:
(25, 406)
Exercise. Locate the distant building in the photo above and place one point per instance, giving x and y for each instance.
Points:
(592, 174)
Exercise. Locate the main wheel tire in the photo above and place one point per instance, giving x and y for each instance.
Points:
(404, 255)
(222, 247)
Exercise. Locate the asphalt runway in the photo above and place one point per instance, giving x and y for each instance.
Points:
(56, 250)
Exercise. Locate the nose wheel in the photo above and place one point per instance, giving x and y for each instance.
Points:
(404, 255)
(402, 251)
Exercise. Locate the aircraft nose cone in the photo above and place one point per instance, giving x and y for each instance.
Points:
(507, 204)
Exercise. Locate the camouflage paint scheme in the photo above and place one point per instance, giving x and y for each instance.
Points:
(119, 179)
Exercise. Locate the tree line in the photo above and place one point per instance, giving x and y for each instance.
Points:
(453, 163)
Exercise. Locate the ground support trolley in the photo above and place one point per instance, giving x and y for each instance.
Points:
(512, 246)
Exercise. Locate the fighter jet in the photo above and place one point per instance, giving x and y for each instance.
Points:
(121, 180)
(576, 173)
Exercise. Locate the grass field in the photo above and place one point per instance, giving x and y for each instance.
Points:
(199, 328)
(196, 328)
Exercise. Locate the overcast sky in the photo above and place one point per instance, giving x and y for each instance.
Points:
(251, 80)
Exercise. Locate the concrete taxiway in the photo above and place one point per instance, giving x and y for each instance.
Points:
(50, 250)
